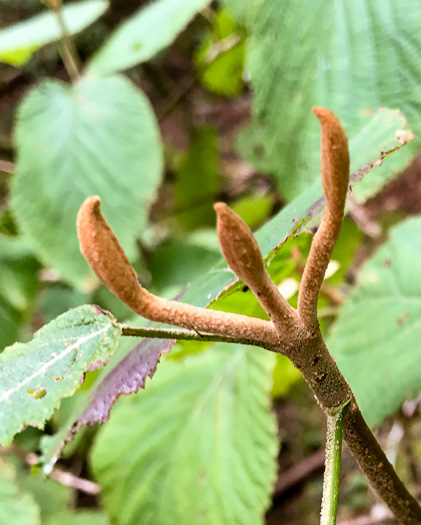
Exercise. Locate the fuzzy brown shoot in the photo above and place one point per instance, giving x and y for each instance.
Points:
(106, 257)
(244, 257)
(295, 334)
(334, 168)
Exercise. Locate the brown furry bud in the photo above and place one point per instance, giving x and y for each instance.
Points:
(239, 247)
(335, 161)
(104, 253)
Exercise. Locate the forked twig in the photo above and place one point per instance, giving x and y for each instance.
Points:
(105, 255)
(293, 333)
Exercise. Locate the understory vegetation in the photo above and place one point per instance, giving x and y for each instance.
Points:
(159, 362)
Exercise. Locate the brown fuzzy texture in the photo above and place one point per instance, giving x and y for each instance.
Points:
(105, 255)
(296, 336)
(101, 249)
(335, 175)
(244, 257)
(335, 162)
(239, 247)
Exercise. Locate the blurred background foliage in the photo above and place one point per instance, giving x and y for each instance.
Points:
(182, 103)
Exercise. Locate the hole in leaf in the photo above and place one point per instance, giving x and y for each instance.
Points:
(37, 393)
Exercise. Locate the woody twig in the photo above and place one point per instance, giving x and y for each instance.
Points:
(294, 333)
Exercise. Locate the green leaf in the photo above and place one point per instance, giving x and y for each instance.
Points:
(98, 137)
(239, 9)
(203, 428)
(254, 209)
(304, 212)
(20, 41)
(197, 181)
(183, 260)
(51, 496)
(220, 59)
(376, 337)
(285, 375)
(125, 373)
(18, 285)
(16, 506)
(35, 376)
(350, 57)
(150, 30)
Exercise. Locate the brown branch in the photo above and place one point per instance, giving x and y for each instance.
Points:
(6, 166)
(335, 174)
(64, 478)
(370, 520)
(297, 337)
(105, 255)
(305, 347)
(70, 480)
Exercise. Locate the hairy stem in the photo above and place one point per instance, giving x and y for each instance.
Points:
(183, 335)
(295, 336)
(309, 354)
(106, 257)
(335, 424)
(244, 257)
(380, 472)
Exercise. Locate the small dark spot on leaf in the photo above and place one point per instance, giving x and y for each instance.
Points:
(245, 288)
(37, 393)
(387, 262)
(57, 379)
(400, 320)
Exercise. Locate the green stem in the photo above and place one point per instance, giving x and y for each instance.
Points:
(335, 425)
(67, 49)
(180, 334)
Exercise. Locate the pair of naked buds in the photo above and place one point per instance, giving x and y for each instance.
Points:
(105, 255)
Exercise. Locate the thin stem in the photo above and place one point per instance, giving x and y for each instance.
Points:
(183, 335)
(68, 50)
(378, 469)
(335, 425)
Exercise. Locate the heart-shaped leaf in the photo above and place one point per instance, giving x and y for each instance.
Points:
(98, 137)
